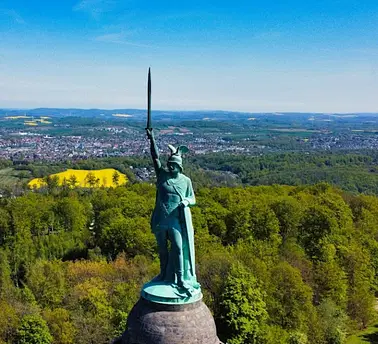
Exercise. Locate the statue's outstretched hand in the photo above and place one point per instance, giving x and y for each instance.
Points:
(149, 133)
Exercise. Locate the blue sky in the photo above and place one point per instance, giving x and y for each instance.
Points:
(232, 55)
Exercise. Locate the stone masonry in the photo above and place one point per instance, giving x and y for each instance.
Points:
(153, 323)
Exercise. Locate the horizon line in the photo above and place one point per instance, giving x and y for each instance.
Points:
(197, 110)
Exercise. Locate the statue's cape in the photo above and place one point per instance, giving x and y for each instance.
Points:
(188, 247)
(183, 187)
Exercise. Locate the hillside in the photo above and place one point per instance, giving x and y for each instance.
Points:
(73, 261)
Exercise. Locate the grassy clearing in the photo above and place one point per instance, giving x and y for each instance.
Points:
(100, 178)
(368, 335)
(9, 177)
(17, 117)
(30, 120)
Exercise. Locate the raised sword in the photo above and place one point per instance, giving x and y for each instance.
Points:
(149, 123)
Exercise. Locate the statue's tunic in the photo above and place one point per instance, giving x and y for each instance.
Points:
(170, 193)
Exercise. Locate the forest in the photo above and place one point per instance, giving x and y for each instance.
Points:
(352, 171)
(277, 264)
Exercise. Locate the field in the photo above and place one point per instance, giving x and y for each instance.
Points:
(30, 120)
(85, 178)
(9, 177)
(367, 335)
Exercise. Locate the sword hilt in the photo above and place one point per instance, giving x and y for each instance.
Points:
(150, 133)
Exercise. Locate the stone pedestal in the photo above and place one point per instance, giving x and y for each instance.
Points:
(169, 293)
(154, 323)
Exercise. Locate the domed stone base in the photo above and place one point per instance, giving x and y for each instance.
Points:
(153, 323)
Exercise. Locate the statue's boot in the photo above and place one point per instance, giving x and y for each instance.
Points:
(181, 283)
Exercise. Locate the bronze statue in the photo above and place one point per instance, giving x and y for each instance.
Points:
(171, 219)
(170, 309)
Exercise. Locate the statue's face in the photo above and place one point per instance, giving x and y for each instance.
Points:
(173, 167)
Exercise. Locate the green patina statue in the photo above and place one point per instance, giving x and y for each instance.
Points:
(172, 222)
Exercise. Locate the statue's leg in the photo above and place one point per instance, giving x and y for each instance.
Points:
(176, 242)
(162, 241)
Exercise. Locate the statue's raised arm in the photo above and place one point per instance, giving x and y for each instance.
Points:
(154, 150)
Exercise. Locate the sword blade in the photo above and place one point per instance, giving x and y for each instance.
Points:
(149, 124)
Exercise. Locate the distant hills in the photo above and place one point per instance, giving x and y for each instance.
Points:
(138, 114)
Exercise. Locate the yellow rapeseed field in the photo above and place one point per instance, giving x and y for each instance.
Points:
(42, 120)
(96, 178)
(32, 123)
